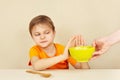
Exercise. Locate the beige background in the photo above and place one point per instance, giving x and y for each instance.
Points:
(91, 18)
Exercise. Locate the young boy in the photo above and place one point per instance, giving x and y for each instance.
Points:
(46, 54)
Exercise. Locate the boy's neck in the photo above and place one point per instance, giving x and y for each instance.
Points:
(50, 50)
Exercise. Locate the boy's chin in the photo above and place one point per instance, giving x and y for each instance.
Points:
(43, 46)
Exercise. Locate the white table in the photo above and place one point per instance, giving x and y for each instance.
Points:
(92, 74)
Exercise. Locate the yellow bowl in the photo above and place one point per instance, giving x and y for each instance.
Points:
(82, 53)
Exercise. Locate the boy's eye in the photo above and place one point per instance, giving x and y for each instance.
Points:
(47, 32)
(37, 34)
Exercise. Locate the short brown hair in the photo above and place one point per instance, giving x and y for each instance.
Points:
(41, 19)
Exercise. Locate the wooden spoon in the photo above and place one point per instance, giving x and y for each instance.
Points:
(46, 75)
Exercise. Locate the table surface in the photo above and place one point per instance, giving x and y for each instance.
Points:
(77, 74)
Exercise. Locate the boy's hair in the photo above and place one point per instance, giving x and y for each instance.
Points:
(41, 19)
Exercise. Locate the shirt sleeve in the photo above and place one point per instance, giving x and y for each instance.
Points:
(33, 52)
(72, 61)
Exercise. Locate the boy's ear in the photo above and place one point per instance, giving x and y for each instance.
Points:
(54, 32)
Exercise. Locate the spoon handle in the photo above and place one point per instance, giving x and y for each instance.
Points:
(36, 72)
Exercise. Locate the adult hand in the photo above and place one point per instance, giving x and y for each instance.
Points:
(101, 46)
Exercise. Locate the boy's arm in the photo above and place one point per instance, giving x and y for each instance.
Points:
(78, 41)
(85, 65)
(82, 65)
(42, 64)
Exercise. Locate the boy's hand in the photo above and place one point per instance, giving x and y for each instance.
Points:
(74, 41)
(79, 41)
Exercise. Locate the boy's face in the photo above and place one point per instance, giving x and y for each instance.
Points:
(43, 35)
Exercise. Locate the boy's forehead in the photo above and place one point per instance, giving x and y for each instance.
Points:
(42, 27)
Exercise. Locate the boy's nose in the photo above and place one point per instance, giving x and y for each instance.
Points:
(42, 37)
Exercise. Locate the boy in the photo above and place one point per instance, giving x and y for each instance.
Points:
(46, 54)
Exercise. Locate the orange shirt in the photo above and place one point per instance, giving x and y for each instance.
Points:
(36, 51)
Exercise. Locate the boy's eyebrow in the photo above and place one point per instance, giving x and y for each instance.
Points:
(47, 30)
(36, 32)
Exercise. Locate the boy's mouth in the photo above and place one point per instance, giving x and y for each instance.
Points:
(43, 41)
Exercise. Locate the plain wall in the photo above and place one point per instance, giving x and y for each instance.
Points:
(90, 18)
